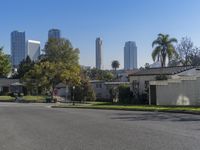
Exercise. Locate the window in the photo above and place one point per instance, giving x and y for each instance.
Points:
(99, 85)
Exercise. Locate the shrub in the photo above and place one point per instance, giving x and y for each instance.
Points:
(125, 95)
(161, 77)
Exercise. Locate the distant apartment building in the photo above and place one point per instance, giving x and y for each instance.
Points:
(33, 49)
(130, 55)
(18, 48)
(99, 53)
(54, 34)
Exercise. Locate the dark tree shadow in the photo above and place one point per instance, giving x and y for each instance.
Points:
(157, 116)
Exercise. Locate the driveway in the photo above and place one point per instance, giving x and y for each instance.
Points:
(39, 127)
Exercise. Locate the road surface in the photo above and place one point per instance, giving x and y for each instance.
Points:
(38, 127)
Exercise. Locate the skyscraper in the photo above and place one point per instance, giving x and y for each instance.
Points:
(130, 55)
(99, 53)
(18, 49)
(33, 49)
(54, 33)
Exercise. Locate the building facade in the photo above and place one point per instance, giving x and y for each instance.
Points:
(54, 34)
(130, 55)
(33, 49)
(99, 53)
(18, 47)
(102, 89)
(140, 80)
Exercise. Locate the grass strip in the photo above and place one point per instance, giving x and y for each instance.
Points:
(176, 109)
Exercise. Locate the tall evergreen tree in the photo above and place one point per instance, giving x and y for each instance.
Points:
(24, 66)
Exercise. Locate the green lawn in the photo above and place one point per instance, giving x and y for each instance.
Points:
(100, 105)
(6, 98)
(33, 99)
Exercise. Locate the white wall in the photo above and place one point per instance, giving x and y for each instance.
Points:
(100, 89)
(183, 91)
(141, 80)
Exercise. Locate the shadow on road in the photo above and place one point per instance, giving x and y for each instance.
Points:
(156, 117)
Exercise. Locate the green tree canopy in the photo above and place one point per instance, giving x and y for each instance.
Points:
(60, 64)
(84, 90)
(97, 74)
(164, 48)
(61, 50)
(5, 65)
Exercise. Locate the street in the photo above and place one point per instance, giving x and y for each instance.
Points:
(39, 127)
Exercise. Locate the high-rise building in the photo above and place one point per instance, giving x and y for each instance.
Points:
(18, 48)
(33, 49)
(99, 53)
(130, 55)
(54, 34)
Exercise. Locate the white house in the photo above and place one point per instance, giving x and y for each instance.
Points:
(102, 88)
(180, 88)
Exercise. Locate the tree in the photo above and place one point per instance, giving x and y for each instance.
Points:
(84, 91)
(5, 65)
(24, 66)
(195, 57)
(125, 95)
(60, 64)
(97, 74)
(188, 54)
(61, 50)
(115, 64)
(164, 48)
(185, 48)
(147, 65)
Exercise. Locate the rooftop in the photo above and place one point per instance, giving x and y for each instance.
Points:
(164, 71)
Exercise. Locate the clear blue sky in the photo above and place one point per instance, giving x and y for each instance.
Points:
(116, 21)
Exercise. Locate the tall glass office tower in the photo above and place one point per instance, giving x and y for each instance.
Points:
(54, 33)
(130, 55)
(18, 47)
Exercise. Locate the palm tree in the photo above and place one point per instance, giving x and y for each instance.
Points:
(115, 64)
(164, 48)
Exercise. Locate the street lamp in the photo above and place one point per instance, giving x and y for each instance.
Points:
(73, 95)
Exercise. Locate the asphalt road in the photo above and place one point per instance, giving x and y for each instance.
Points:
(38, 127)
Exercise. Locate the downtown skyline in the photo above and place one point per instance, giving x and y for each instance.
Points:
(114, 21)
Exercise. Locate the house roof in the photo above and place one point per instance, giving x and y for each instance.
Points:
(7, 82)
(164, 71)
(61, 85)
(17, 84)
(116, 83)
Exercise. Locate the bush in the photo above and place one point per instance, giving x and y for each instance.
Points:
(161, 77)
(125, 95)
(83, 92)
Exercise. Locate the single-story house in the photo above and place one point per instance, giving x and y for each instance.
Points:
(6, 85)
(102, 88)
(140, 80)
(180, 88)
(62, 92)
